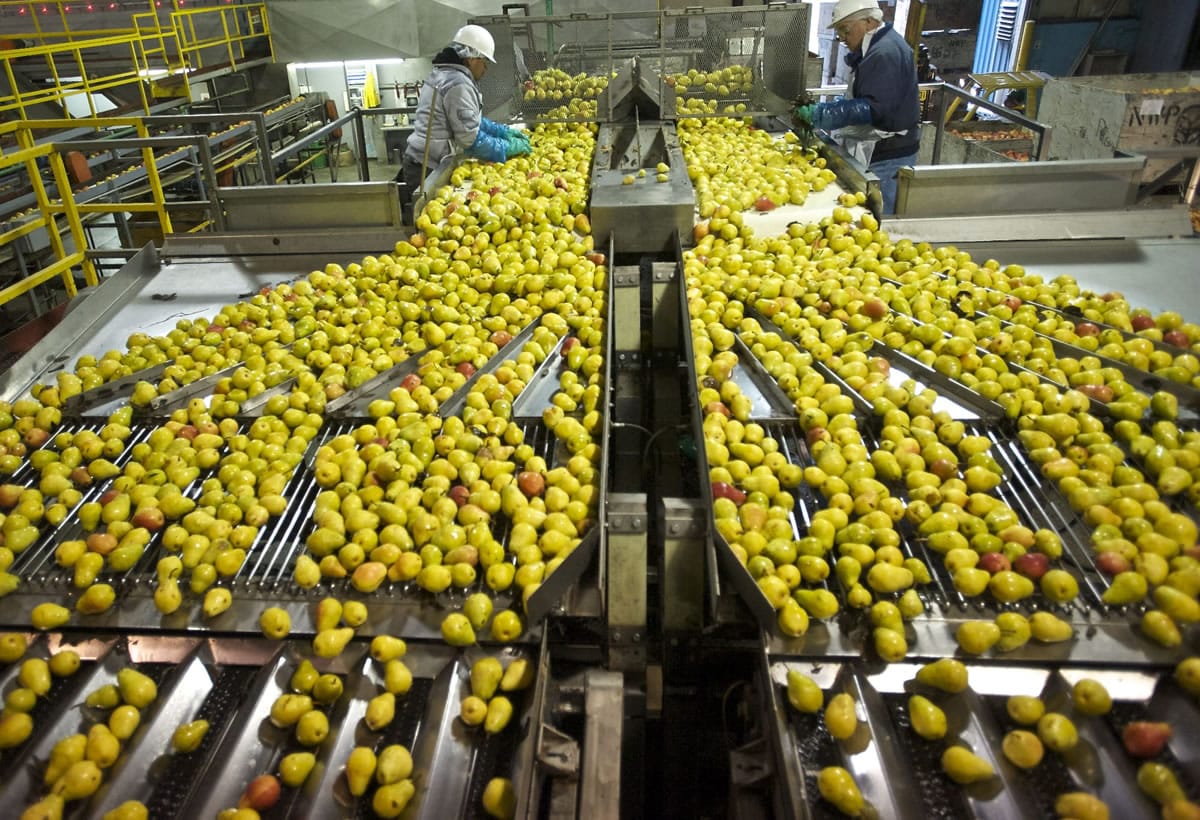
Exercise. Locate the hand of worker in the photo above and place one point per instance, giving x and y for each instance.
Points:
(516, 146)
(523, 136)
(802, 116)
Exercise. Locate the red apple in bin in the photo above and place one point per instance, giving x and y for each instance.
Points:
(1013, 302)
(459, 494)
(1112, 563)
(1177, 338)
(1112, 294)
(1033, 565)
(568, 343)
(500, 338)
(1087, 329)
(1145, 739)
(466, 368)
(594, 257)
(994, 562)
(109, 495)
(722, 490)
(716, 407)
(764, 203)
(1141, 322)
(411, 382)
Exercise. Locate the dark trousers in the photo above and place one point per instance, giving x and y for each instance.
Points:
(410, 176)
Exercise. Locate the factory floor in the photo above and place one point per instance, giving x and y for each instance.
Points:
(380, 172)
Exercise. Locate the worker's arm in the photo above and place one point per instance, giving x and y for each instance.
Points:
(470, 128)
(504, 132)
(831, 116)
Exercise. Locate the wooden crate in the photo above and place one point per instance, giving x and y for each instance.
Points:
(1093, 116)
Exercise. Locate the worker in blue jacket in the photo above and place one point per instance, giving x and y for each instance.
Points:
(878, 121)
(450, 110)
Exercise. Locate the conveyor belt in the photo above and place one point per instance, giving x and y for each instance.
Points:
(900, 774)
(233, 684)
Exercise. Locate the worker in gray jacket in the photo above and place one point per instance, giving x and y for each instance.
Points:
(450, 110)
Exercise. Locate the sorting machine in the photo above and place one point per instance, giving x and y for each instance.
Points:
(658, 659)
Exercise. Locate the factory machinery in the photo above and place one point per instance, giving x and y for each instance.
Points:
(723, 629)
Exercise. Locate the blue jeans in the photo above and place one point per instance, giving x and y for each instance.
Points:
(886, 170)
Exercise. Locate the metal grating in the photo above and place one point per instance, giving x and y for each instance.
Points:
(739, 55)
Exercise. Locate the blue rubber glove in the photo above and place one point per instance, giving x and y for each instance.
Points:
(831, 116)
(487, 147)
(516, 146)
(493, 128)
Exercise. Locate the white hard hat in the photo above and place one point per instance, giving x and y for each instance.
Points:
(848, 8)
(478, 38)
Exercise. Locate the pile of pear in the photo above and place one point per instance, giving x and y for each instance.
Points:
(840, 287)
(556, 85)
(735, 167)
(78, 762)
(751, 479)
(511, 247)
(1037, 731)
(729, 81)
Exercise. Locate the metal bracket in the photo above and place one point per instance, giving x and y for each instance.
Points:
(627, 513)
(626, 277)
(663, 271)
(750, 765)
(558, 752)
(683, 518)
(683, 523)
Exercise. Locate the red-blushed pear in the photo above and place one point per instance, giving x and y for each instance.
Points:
(875, 308)
(1145, 739)
(722, 490)
(994, 562)
(1032, 565)
(1176, 338)
(1112, 563)
(531, 483)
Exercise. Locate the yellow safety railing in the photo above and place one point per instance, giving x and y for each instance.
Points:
(239, 24)
(67, 63)
(160, 51)
(54, 207)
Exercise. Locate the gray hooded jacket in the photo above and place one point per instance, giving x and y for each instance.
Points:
(456, 122)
